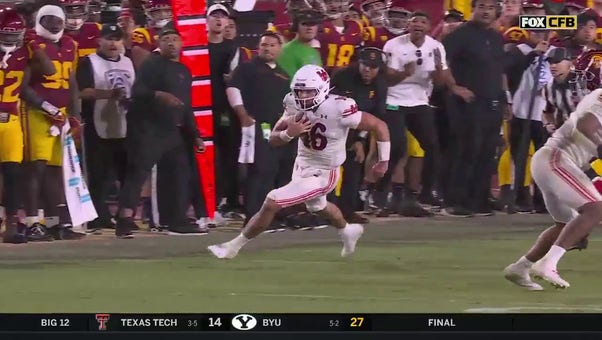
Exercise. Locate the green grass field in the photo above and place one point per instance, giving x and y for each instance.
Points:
(401, 265)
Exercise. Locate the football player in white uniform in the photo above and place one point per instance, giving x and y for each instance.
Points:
(321, 122)
(570, 196)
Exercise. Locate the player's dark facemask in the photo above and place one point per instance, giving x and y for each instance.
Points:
(579, 82)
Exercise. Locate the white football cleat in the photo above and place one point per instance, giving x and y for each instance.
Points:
(520, 277)
(350, 235)
(222, 251)
(547, 273)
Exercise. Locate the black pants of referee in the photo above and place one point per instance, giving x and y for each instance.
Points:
(474, 131)
(420, 121)
(145, 149)
(272, 168)
(106, 161)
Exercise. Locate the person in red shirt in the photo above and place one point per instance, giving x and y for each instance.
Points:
(50, 99)
(86, 34)
(385, 22)
(13, 67)
(338, 38)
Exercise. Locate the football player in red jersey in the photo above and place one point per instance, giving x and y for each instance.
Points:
(338, 38)
(144, 39)
(48, 99)
(380, 29)
(13, 68)
(86, 34)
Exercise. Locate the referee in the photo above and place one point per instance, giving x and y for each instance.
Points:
(255, 92)
(366, 83)
(160, 126)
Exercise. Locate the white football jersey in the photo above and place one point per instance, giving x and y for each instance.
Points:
(324, 146)
(570, 140)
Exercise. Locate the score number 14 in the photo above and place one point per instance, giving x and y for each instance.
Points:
(215, 322)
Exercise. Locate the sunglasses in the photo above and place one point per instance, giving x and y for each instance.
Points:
(419, 55)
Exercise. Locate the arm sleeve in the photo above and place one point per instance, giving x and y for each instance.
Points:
(351, 116)
(144, 87)
(381, 96)
(239, 78)
(452, 44)
(190, 124)
(84, 76)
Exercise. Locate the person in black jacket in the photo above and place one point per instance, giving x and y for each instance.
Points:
(365, 82)
(160, 124)
(258, 108)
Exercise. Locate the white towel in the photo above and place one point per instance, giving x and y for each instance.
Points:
(247, 145)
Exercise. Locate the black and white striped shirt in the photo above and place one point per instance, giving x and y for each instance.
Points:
(560, 100)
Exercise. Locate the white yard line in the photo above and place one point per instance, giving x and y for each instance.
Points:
(332, 297)
(543, 307)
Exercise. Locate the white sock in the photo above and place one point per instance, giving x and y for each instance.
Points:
(342, 230)
(30, 220)
(238, 242)
(524, 263)
(2, 212)
(51, 221)
(554, 255)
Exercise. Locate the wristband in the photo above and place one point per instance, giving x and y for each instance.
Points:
(508, 97)
(384, 151)
(285, 136)
(50, 109)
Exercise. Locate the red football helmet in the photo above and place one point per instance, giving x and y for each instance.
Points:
(159, 12)
(397, 19)
(12, 29)
(376, 11)
(76, 13)
(587, 69)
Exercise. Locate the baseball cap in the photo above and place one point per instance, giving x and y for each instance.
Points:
(169, 28)
(217, 7)
(372, 57)
(585, 16)
(557, 55)
(453, 14)
(111, 31)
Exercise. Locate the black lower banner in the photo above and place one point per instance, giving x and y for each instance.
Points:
(107, 322)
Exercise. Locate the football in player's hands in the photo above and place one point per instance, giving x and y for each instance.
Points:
(296, 128)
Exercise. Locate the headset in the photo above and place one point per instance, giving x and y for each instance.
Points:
(383, 55)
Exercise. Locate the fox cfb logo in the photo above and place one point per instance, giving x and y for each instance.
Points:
(244, 322)
(549, 22)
